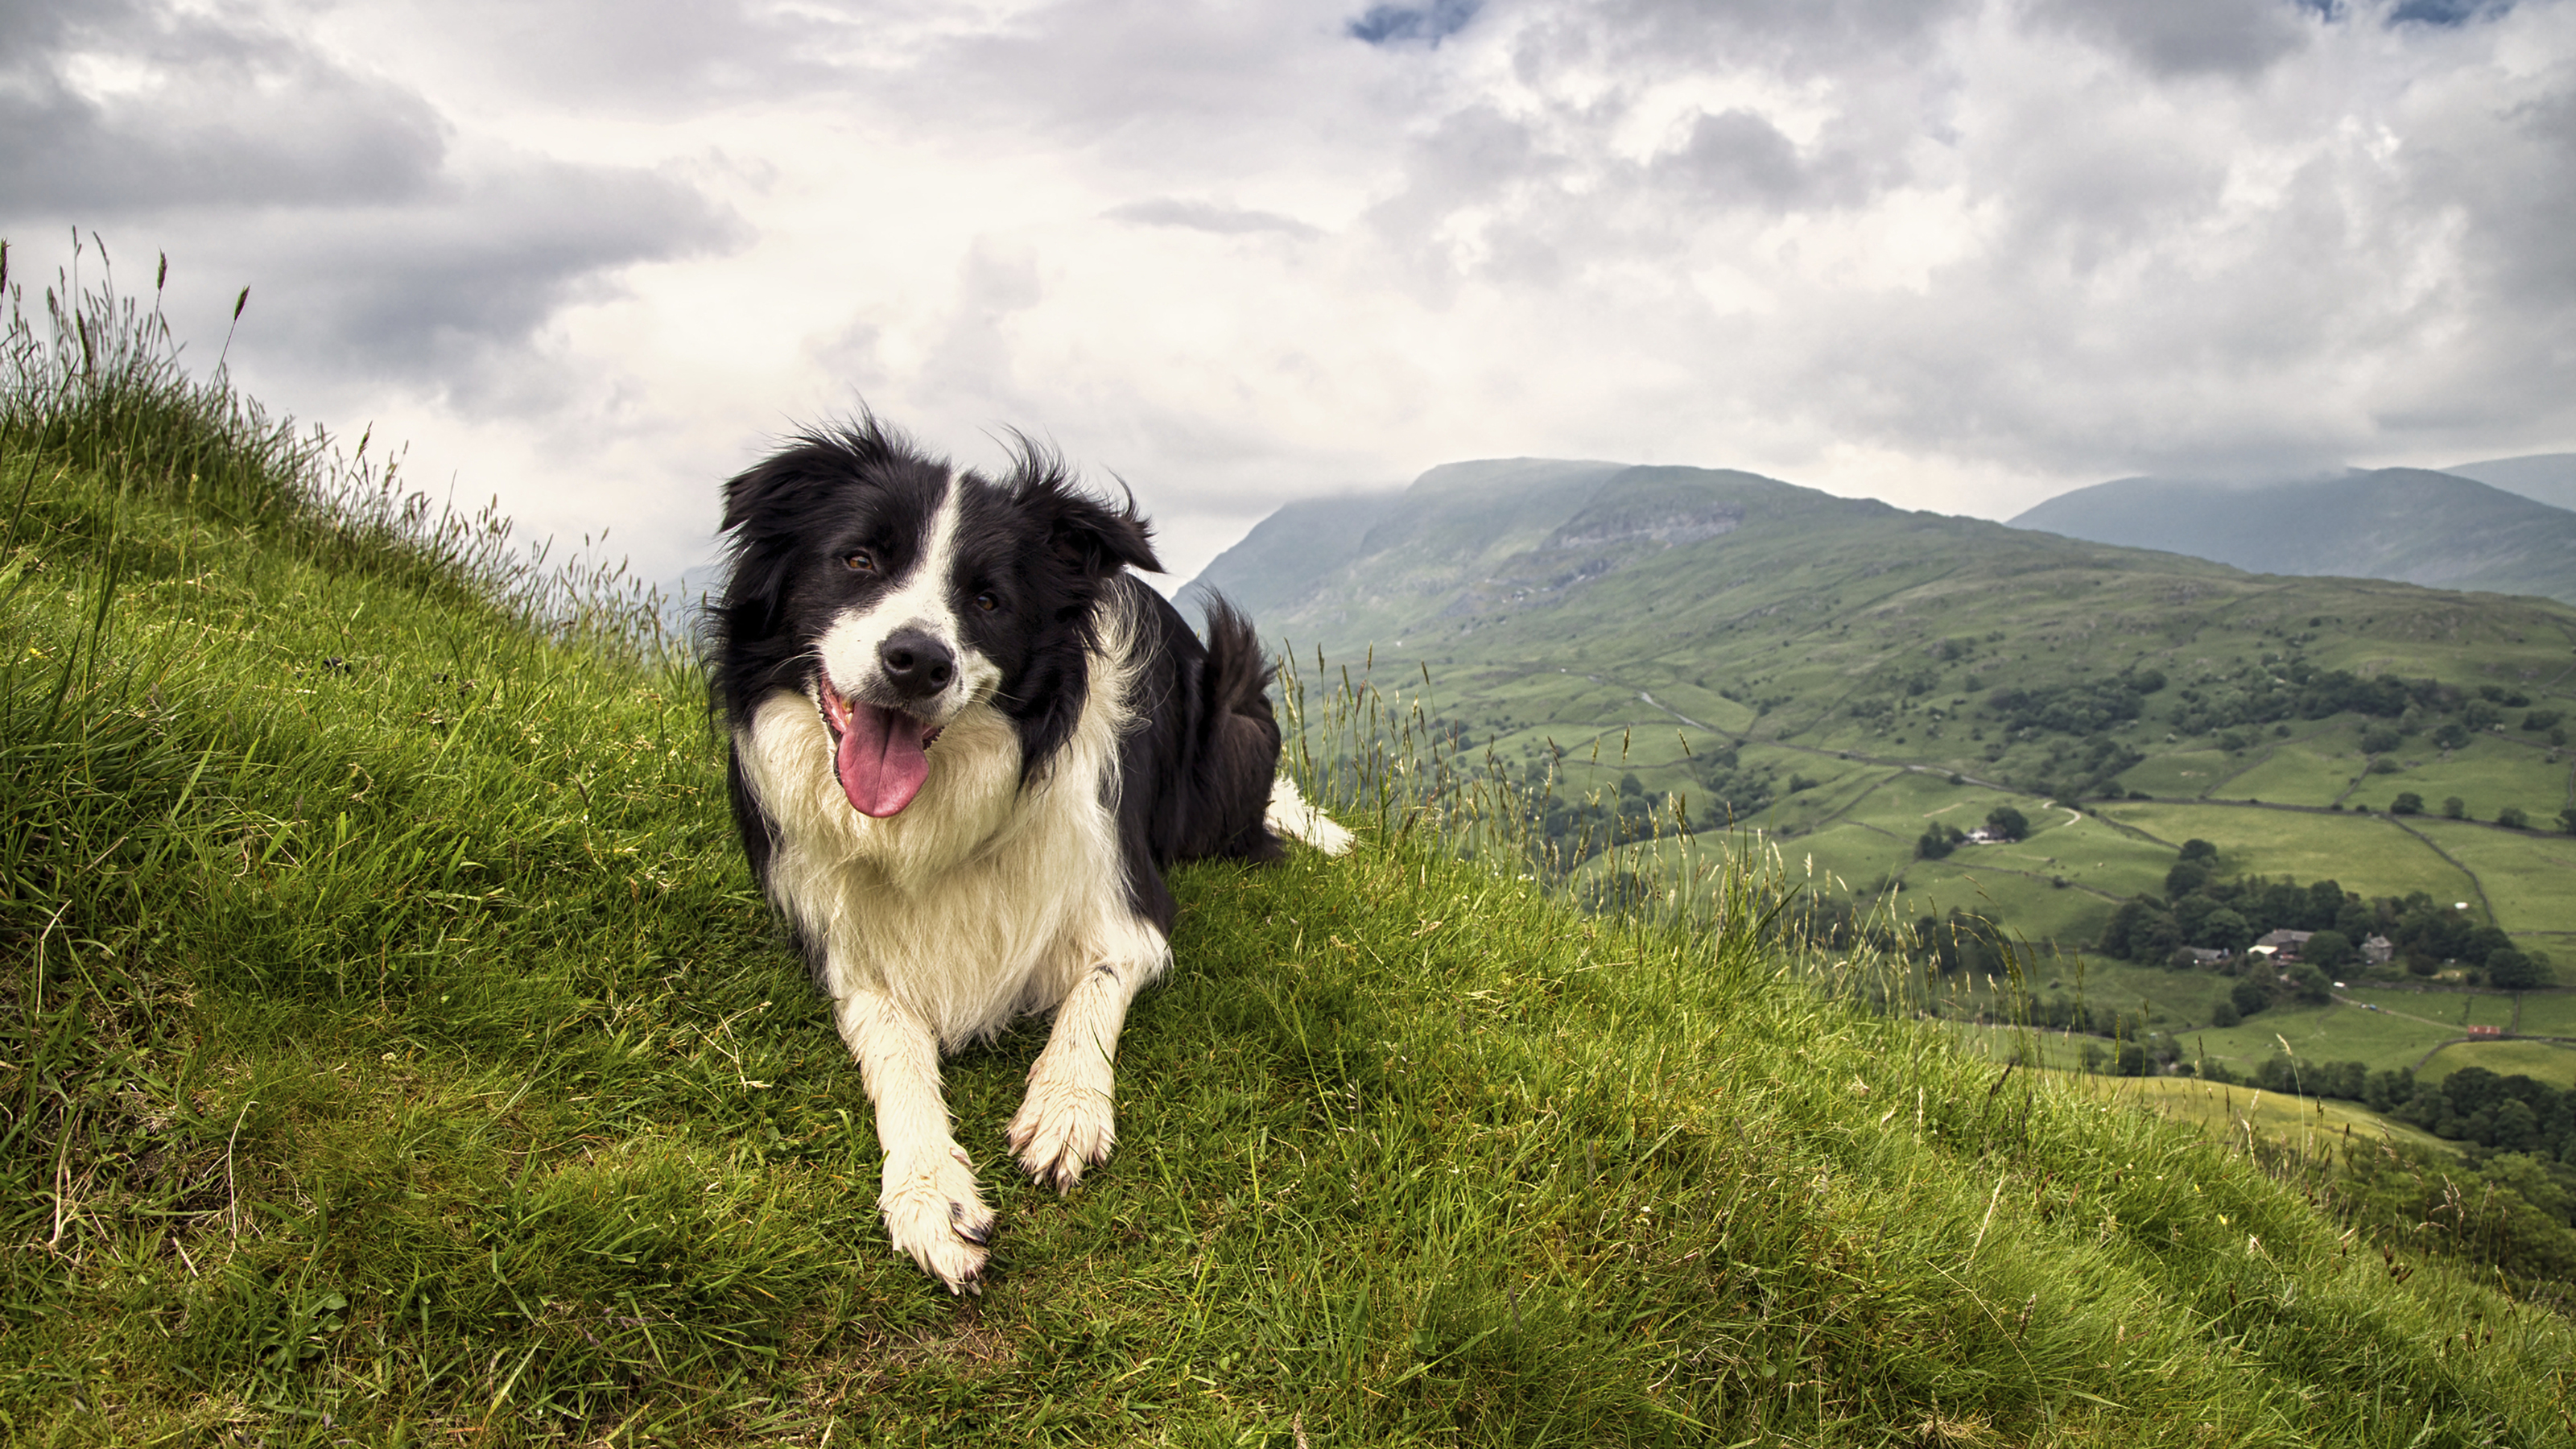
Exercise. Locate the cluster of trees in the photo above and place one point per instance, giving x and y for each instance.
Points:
(1730, 790)
(2509, 1114)
(2275, 689)
(2089, 770)
(2057, 1013)
(2200, 909)
(1956, 943)
(2085, 707)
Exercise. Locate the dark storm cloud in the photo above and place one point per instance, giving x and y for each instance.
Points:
(1737, 158)
(192, 112)
(2190, 37)
(345, 192)
(428, 291)
(1737, 155)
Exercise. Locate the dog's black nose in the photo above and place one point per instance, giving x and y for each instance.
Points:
(917, 665)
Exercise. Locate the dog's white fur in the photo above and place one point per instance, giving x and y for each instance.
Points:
(978, 903)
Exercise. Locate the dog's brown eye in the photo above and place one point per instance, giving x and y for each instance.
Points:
(862, 561)
(987, 602)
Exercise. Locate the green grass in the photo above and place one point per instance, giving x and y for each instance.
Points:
(2331, 1033)
(2452, 1011)
(2300, 771)
(392, 1050)
(2183, 774)
(2549, 1013)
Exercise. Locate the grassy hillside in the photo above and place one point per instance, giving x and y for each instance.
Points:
(392, 1050)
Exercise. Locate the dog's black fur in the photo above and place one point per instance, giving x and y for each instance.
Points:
(877, 595)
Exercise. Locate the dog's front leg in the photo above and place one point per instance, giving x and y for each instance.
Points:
(1068, 1121)
(928, 1193)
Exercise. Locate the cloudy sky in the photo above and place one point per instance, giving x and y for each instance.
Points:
(593, 256)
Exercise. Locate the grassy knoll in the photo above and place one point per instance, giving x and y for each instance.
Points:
(2547, 1013)
(392, 1051)
(2539, 1060)
(2184, 774)
(2307, 1124)
(2222, 1110)
(2452, 1012)
(2331, 1033)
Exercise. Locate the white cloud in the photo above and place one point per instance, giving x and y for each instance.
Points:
(594, 257)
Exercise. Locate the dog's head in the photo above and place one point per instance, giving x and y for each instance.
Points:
(899, 593)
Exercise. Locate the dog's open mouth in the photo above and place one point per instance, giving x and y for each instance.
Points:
(877, 752)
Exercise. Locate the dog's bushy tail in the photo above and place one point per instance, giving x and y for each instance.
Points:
(1237, 678)
(1238, 674)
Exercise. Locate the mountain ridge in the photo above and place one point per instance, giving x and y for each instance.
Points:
(2411, 525)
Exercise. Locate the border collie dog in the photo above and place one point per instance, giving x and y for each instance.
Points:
(966, 743)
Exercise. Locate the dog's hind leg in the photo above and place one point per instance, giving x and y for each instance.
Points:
(932, 1210)
(1068, 1121)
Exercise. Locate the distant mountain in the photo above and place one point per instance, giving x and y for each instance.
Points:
(1279, 560)
(2410, 524)
(2547, 477)
(1453, 522)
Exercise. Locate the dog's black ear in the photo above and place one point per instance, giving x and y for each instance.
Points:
(1091, 534)
(815, 461)
(1098, 538)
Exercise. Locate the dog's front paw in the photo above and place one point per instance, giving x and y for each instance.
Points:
(933, 1212)
(1063, 1127)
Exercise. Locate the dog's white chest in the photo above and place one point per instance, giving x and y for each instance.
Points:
(982, 900)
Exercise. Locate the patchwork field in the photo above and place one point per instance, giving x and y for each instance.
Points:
(2492, 772)
(2362, 852)
(2530, 878)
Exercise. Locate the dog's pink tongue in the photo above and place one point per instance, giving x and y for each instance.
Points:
(880, 761)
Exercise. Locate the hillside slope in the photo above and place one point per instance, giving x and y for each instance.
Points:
(2406, 524)
(392, 1050)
